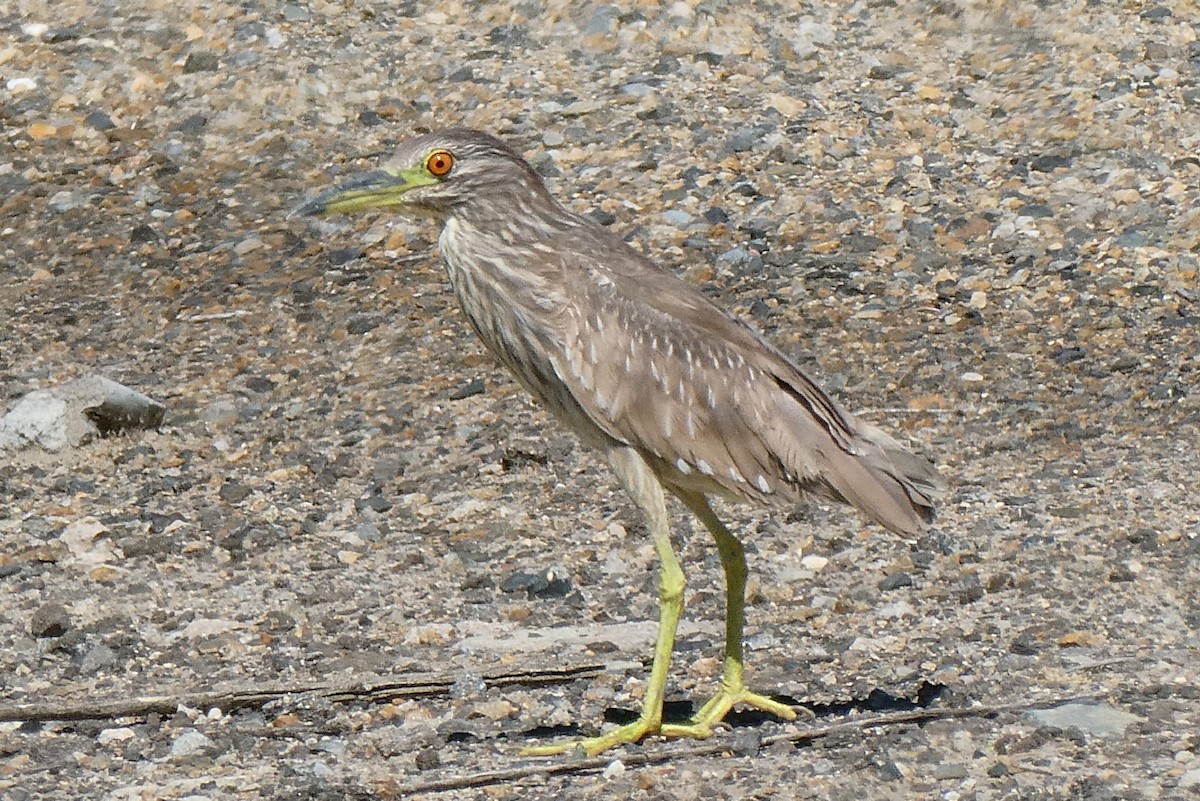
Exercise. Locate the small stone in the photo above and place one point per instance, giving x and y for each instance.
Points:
(249, 245)
(19, 85)
(99, 121)
(234, 492)
(614, 770)
(1093, 719)
(66, 200)
(1049, 163)
(190, 743)
(470, 389)
(896, 581)
(122, 734)
(143, 234)
(677, 218)
(201, 61)
(97, 659)
(814, 563)
(362, 323)
(49, 620)
(950, 771)
(41, 130)
(427, 759)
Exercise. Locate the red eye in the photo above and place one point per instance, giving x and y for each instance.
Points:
(440, 163)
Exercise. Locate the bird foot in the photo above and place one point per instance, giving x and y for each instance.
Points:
(699, 728)
(629, 733)
(712, 713)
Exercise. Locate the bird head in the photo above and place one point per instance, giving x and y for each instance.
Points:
(437, 174)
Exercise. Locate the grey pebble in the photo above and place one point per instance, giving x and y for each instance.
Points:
(50, 620)
(895, 581)
(190, 743)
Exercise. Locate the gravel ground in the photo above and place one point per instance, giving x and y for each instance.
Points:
(978, 223)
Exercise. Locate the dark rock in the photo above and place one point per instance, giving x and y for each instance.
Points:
(1067, 355)
(715, 215)
(475, 387)
(883, 72)
(896, 581)
(362, 323)
(201, 61)
(142, 234)
(1050, 162)
(1121, 573)
(374, 501)
(1036, 210)
(546, 584)
(428, 759)
(49, 620)
(192, 124)
(340, 256)
(234, 492)
(66, 34)
(99, 121)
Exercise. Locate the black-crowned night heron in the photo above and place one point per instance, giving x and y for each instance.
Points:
(678, 394)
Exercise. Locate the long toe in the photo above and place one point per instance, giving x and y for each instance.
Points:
(713, 712)
(629, 733)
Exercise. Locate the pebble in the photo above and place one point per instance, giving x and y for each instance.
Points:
(895, 581)
(814, 563)
(190, 742)
(678, 218)
(49, 620)
(1094, 719)
(121, 734)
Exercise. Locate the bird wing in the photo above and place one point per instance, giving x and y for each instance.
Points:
(658, 366)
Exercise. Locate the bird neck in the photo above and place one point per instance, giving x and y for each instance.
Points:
(522, 218)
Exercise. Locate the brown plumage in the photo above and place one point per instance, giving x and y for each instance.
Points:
(680, 394)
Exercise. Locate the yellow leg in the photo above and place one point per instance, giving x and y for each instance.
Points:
(733, 691)
(641, 484)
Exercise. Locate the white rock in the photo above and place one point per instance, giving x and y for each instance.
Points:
(814, 563)
(19, 85)
(190, 742)
(118, 735)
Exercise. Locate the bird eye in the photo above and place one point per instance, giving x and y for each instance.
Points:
(440, 163)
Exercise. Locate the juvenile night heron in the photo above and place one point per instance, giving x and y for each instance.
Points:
(679, 395)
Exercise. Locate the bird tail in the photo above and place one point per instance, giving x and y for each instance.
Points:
(890, 484)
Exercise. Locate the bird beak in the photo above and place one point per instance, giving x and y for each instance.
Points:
(384, 187)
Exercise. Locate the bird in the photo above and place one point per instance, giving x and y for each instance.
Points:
(682, 398)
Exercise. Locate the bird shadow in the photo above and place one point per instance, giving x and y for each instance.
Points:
(681, 711)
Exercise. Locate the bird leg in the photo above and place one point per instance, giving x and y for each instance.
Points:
(643, 487)
(733, 691)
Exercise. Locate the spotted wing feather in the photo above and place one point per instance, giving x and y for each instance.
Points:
(658, 366)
